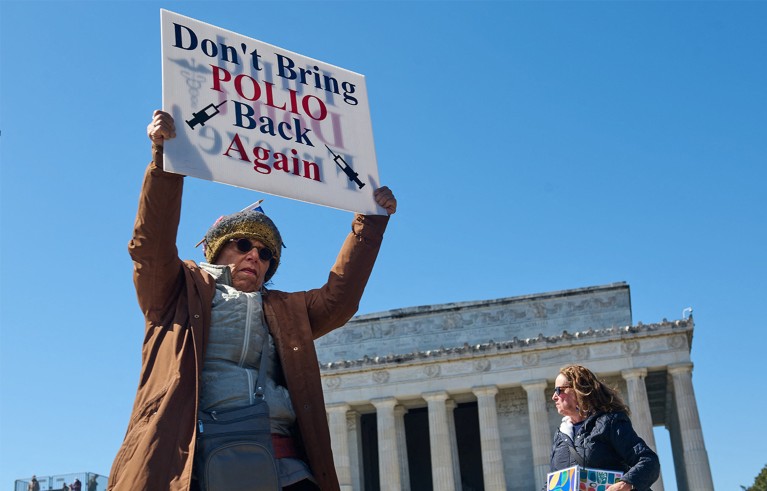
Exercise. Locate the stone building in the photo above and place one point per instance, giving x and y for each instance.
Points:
(458, 396)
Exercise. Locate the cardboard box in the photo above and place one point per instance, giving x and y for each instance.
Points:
(579, 478)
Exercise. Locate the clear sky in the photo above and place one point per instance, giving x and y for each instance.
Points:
(533, 147)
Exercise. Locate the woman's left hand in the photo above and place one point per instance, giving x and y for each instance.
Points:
(386, 200)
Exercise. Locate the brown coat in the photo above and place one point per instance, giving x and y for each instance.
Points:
(176, 297)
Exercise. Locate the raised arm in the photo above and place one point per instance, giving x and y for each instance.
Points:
(332, 305)
(156, 266)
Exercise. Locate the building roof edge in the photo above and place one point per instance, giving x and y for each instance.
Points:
(515, 344)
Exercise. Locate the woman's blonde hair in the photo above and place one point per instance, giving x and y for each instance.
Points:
(591, 394)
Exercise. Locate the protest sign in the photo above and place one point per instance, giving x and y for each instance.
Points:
(256, 116)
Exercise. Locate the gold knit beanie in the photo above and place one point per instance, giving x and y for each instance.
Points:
(251, 224)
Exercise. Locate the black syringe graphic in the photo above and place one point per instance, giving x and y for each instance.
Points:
(345, 167)
(201, 116)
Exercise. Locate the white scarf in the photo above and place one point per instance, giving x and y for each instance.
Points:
(567, 427)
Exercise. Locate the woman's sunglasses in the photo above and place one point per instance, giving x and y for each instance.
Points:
(558, 390)
(245, 245)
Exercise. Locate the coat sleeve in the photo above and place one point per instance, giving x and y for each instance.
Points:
(643, 462)
(332, 305)
(157, 269)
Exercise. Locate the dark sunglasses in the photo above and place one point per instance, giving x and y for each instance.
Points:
(558, 390)
(245, 245)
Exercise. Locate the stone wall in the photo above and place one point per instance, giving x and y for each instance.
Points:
(408, 330)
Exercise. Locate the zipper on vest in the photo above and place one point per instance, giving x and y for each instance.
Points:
(251, 383)
(248, 329)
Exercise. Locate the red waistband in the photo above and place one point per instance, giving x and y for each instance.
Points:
(284, 447)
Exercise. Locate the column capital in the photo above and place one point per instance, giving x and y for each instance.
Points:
(384, 402)
(684, 367)
(437, 395)
(485, 390)
(633, 373)
(337, 407)
(534, 384)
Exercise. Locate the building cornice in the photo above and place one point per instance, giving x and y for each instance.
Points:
(541, 342)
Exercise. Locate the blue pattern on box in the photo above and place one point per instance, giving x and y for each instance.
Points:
(578, 478)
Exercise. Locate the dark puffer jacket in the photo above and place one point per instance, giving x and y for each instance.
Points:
(608, 441)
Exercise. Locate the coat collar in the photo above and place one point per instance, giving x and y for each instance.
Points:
(222, 274)
(566, 427)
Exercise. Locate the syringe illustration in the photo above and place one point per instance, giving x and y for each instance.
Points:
(201, 116)
(345, 167)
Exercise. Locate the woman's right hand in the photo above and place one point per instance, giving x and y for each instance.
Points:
(161, 128)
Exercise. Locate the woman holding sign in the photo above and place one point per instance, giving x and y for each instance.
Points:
(229, 395)
(596, 431)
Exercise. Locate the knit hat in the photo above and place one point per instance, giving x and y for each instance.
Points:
(247, 223)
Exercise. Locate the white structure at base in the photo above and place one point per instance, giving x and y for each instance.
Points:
(458, 396)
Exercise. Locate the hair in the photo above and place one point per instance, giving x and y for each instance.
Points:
(592, 395)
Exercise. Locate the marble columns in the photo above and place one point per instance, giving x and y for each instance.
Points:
(697, 469)
(340, 443)
(404, 467)
(450, 406)
(540, 433)
(388, 450)
(490, 439)
(640, 410)
(442, 463)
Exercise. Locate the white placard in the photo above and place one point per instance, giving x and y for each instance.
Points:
(260, 117)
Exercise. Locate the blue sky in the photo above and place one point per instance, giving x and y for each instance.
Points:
(533, 147)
